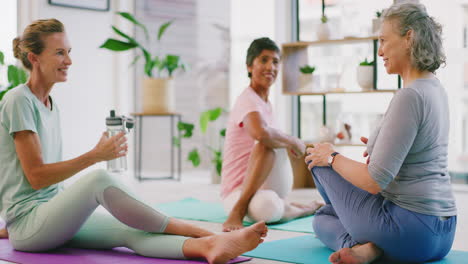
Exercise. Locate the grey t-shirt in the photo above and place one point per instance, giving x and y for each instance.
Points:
(409, 150)
(21, 110)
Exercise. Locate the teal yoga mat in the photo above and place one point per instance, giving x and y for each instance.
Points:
(193, 209)
(309, 250)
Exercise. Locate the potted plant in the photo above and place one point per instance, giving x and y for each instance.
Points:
(306, 77)
(16, 76)
(323, 31)
(365, 75)
(216, 151)
(158, 93)
(377, 21)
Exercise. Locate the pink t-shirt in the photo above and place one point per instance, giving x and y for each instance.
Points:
(238, 143)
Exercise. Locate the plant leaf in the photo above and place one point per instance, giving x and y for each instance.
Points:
(2, 58)
(204, 119)
(194, 157)
(135, 60)
(132, 19)
(176, 141)
(163, 28)
(186, 129)
(222, 132)
(117, 45)
(120, 33)
(215, 113)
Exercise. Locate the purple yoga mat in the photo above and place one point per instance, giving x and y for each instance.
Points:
(88, 256)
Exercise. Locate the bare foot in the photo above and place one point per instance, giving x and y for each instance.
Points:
(3, 233)
(234, 221)
(227, 246)
(296, 210)
(359, 254)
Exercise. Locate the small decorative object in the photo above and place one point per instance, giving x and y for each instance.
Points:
(306, 78)
(16, 76)
(326, 135)
(377, 22)
(323, 31)
(194, 156)
(158, 93)
(365, 75)
(97, 5)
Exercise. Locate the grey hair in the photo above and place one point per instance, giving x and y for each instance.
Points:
(426, 48)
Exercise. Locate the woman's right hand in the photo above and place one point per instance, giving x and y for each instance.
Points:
(111, 148)
(365, 154)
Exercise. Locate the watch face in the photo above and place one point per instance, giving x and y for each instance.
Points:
(330, 160)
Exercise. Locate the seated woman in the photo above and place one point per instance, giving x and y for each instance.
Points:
(398, 205)
(40, 215)
(256, 177)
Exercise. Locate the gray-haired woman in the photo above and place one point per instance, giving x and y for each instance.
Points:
(398, 205)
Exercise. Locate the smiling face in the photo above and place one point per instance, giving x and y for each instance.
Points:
(394, 49)
(264, 69)
(53, 62)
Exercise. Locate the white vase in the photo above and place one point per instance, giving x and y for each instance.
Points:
(323, 31)
(305, 82)
(376, 23)
(158, 96)
(365, 77)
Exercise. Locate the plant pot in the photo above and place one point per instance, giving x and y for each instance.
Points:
(323, 31)
(305, 82)
(215, 178)
(376, 23)
(158, 96)
(365, 77)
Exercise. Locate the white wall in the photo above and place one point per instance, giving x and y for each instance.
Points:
(98, 79)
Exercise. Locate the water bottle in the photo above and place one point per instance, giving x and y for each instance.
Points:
(116, 124)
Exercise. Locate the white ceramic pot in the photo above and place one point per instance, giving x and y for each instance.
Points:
(323, 31)
(365, 77)
(158, 96)
(305, 82)
(376, 23)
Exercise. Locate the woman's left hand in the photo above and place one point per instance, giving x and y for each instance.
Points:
(318, 155)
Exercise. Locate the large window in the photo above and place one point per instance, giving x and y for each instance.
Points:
(8, 31)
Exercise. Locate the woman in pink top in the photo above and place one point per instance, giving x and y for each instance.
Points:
(256, 174)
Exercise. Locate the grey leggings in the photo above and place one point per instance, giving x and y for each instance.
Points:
(69, 218)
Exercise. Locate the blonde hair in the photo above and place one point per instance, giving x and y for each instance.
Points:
(32, 39)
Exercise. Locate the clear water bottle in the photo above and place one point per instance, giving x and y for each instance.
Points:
(116, 124)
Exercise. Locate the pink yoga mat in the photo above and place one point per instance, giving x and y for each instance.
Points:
(88, 256)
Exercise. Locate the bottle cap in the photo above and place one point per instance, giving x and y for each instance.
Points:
(113, 120)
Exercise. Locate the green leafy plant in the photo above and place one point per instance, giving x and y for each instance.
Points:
(186, 130)
(169, 62)
(307, 69)
(379, 13)
(324, 18)
(16, 76)
(366, 63)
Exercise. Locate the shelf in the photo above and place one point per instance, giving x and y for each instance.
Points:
(340, 92)
(303, 44)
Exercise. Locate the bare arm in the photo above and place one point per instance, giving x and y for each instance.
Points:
(353, 171)
(41, 175)
(271, 137)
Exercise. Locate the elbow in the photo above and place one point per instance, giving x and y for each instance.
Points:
(374, 188)
(34, 181)
(261, 136)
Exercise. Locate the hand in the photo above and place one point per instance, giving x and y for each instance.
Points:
(365, 154)
(318, 155)
(111, 148)
(298, 148)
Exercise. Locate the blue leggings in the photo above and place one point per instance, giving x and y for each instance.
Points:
(353, 216)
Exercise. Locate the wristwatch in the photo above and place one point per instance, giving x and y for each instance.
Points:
(331, 158)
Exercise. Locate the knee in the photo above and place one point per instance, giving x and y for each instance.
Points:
(266, 206)
(262, 150)
(102, 178)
